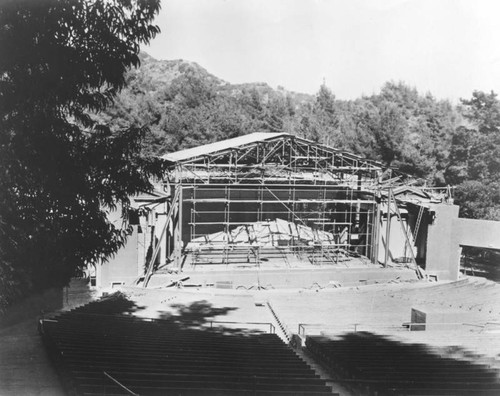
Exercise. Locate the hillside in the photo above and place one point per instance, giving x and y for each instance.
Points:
(185, 105)
(157, 75)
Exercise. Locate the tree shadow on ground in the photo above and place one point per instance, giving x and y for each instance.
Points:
(202, 315)
(115, 304)
(198, 315)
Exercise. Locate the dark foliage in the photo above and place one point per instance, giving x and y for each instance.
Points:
(60, 170)
(475, 158)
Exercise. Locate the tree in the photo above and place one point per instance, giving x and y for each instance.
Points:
(389, 132)
(460, 155)
(319, 121)
(61, 171)
(478, 200)
(483, 112)
(325, 99)
(475, 157)
(404, 128)
(357, 125)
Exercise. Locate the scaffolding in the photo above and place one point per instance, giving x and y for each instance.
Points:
(345, 215)
(266, 177)
(224, 190)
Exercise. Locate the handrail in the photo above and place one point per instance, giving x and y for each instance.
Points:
(302, 326)
(120, 384)
(272, 328)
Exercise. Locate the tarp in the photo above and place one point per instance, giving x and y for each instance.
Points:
(264, 233)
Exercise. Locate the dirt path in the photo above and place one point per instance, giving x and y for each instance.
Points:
(25, 369)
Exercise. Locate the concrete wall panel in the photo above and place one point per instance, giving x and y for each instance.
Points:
(479, 233)
(443, 251)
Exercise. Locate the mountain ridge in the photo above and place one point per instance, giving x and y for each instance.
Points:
(166, 70)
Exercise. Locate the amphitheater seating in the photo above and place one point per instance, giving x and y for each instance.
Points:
(385, 308)
(99, 350)
(378, 365)
(471, 294)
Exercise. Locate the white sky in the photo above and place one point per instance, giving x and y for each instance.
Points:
(446, 47)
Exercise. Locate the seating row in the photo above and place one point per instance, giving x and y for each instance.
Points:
(384, 366)
(99, 351)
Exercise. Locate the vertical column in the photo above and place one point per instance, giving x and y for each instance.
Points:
(261, 203)
(349, 213)
(143, 244)
(178, 230)
(376, 230)
(388, 228)
(323, 219)
(290, 197)
(315, 166)
(357, 218)
(226, 223)
(283, 152)
(227, 197)
(193, 215)
(161, 220)
(236, 169)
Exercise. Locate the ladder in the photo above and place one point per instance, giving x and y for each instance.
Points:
(417, 224)
(390, 196)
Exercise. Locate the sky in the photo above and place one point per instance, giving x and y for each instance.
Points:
(446, 47)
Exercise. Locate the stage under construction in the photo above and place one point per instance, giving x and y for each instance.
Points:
(265, 198)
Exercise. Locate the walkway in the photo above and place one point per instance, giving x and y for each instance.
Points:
(25, 368)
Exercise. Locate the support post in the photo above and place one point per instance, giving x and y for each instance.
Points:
(178, 239)
(388, 227)
(149, 271)
(376, 233)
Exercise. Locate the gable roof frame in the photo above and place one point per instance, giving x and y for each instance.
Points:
(214, 151)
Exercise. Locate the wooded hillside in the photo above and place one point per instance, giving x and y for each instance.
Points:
(441, 143)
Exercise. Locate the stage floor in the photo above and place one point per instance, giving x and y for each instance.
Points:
(276, 273)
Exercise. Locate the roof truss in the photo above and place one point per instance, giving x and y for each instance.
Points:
(278, 156)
